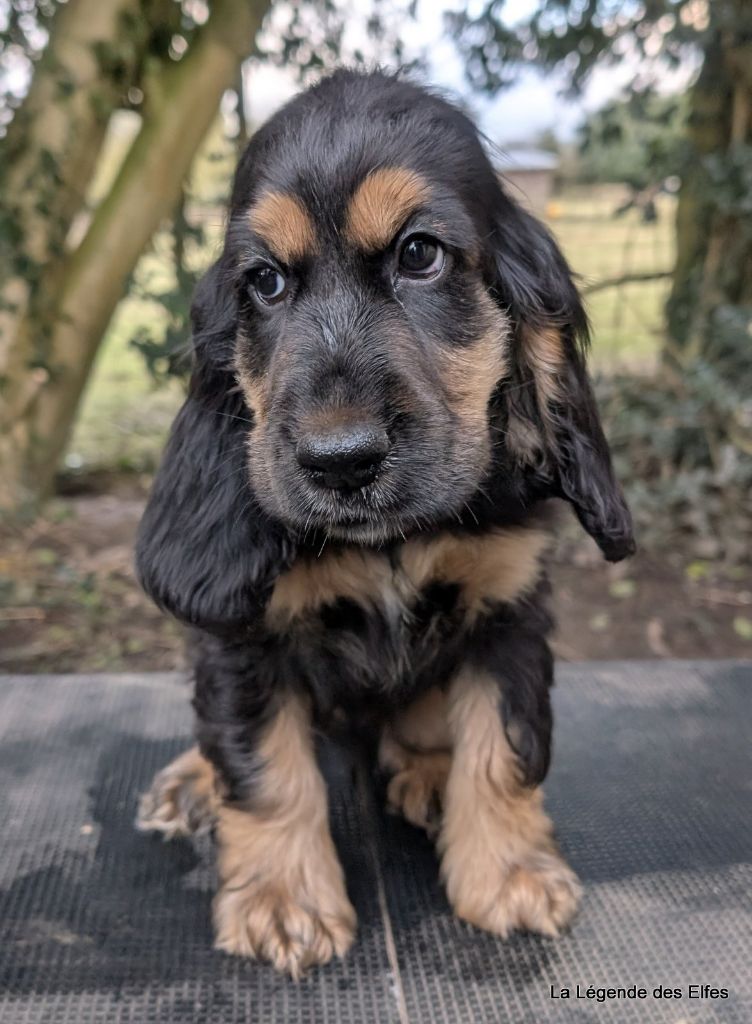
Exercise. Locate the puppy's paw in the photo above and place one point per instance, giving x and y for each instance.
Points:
(417, 790)
(539, 894)
(293, 931)
(182, 799)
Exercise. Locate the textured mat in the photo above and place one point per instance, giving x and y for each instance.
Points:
(651, 793)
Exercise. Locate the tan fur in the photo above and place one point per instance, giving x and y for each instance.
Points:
(255, 393)
(544, 352)
(282, 896)
(470, 373)
(381, 204)
(499, 861)
(256, 390)
(331, 417)
(285, 225)
(182, 800)
(500, 565)
(415, 748)
(423, 725)
(523, 438)
(360, 576)
(416, 790)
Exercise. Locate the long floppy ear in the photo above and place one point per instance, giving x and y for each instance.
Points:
(206, 552)
(552, 420)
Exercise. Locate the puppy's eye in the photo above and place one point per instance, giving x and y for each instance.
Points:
(421, 256)
(268, 284)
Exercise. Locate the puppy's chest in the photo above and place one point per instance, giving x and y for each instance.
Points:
(380, 620)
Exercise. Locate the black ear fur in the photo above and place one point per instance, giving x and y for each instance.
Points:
(532, 281)
(205, 551)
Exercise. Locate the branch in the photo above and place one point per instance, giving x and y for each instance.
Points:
(616, 282)
(184, 100)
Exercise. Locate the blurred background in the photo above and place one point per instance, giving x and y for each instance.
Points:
(627, 126)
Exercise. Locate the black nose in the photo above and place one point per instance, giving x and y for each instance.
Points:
(346, 457)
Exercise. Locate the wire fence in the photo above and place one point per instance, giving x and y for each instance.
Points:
(627, 319)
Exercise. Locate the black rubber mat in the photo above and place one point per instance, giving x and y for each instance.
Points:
(651, 792)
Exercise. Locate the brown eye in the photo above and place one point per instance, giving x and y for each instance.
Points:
(269, 285)
(421, 256)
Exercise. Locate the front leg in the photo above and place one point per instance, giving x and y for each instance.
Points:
(415, 750)
(500, 863)
(182, 799)
(282, 894)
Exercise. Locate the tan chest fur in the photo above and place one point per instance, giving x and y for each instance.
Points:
(500, 565)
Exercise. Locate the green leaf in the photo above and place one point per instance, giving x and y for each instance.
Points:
(622, 588)
(45, 556)
(697, 571)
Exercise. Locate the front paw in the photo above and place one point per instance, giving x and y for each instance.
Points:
(182, 799)
(540, 893)
(417, 791)
(292, 930)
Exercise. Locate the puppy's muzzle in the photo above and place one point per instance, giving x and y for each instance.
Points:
(343, 459)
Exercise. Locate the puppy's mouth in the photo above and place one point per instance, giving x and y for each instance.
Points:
(361, 515)
(372, 516)
(369, 503)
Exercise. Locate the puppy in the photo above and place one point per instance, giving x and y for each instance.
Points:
(351, 515)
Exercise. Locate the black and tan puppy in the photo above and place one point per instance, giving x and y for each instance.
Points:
(351, 514)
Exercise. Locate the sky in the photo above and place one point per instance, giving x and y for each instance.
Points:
(518, 114)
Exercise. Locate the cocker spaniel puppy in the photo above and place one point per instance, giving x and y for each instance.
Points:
(351, 515)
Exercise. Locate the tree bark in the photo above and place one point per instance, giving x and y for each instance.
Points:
(714, 248)
(53, 142)
(183, 99)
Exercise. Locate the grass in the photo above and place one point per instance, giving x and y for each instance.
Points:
(627, 321)
(124, 417)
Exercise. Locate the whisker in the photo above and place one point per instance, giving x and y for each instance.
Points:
(242, 511)
(233, 416)
(232, 453)
(467, 506)
(239, 471)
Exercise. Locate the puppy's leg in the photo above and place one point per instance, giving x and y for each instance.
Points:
(499, 860)
(282, 895)
(415, 748)
(182, 799)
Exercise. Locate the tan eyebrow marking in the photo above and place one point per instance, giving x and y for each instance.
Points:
(381, 204)
(285, 225)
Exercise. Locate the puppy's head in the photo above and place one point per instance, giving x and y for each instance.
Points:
(387, 291)
(402, 337)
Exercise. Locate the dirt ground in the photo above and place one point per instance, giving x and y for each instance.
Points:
(69, 601)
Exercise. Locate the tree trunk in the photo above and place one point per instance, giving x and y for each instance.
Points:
(183, 99)
(53, 142)
(712, 281)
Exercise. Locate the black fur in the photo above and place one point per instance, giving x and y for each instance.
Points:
(218, 531)
(206, 552)
(511, 644)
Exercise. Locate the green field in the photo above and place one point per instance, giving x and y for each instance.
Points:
(124, 416)
(627, 321)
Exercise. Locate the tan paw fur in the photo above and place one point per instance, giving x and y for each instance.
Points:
(417, 791)
(286, 928)
(182, 799)
(282, 896)
(500, 863)
(540, 894)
